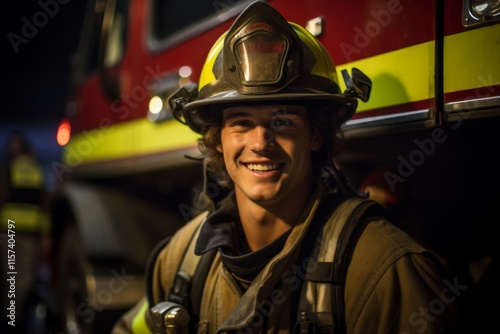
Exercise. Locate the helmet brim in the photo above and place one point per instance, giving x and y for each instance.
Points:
(198, 112)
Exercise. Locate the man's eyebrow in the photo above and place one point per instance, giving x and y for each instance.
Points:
(235, 114)
(277, 112)
(288, 111)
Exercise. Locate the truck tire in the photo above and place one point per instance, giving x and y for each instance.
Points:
(77, 314)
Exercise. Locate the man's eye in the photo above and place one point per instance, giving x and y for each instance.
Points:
(241, 123)
(280, 122)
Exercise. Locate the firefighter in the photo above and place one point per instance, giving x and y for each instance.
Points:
(269, 109)
(25, 228)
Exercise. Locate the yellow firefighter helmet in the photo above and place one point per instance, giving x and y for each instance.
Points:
(263, 58)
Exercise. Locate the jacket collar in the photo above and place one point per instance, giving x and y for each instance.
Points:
(267, 280)
(220, 227)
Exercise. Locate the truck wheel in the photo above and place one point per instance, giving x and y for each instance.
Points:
(77, 314)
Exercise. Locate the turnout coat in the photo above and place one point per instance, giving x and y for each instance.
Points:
(393, 284)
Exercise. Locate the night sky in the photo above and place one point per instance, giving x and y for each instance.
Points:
(36, 61)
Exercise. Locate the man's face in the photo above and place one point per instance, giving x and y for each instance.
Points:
(267, 151)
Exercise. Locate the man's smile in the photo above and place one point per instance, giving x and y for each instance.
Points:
(264, 167)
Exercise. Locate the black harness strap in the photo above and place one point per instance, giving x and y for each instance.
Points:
(150, 265)
(302, 323)
(345, 247)
(198, 283)
(333, 272)
(180, 291)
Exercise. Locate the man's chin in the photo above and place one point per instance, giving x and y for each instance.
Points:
(262, 194)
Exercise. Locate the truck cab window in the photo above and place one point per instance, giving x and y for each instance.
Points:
(188, 17)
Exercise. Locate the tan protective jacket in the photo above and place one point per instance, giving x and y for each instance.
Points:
(393, 286)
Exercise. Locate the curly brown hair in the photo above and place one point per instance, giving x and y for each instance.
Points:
(322, 120)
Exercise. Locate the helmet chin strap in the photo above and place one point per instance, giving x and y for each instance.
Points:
(341, 181)
(204, 200)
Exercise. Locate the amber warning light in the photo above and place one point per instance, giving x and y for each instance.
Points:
(63, 132)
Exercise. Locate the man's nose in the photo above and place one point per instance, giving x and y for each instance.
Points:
(262, 139)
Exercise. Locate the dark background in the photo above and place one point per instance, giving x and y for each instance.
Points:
(34, 80)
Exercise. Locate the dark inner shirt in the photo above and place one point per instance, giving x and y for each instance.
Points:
(223, 230)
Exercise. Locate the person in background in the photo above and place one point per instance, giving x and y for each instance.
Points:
(269, 110)
(24, 228)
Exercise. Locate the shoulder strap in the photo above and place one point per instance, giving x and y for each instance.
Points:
(150, 265)
(348, 239)
(328, 262)
(180, 291)
(189, 281)
(187, 287)
(181, 247)
(186, 264)
(198, 283)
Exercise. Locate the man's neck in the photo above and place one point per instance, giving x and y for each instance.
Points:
(264, 223)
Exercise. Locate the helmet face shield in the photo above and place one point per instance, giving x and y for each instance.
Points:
(260, 58)
(263, 58)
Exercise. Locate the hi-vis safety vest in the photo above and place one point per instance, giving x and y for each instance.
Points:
(335, 223)
(25, 175)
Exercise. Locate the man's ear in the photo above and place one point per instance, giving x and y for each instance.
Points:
(219, 148)
(316, 140)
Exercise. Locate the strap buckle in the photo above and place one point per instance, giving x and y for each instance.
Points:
(305, 326)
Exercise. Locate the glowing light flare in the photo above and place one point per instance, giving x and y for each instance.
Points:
(185, 72)
(63, 132)
(155, 105)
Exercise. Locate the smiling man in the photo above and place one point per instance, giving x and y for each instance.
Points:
(284, 260)
(267, 154)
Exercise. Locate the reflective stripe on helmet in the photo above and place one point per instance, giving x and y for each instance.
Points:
(207, 75)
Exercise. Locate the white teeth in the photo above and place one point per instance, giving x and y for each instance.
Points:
(262, 167)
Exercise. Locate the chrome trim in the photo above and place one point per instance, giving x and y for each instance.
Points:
(417, 115)
(473, 104)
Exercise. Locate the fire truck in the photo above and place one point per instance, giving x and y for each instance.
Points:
(423, 144)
